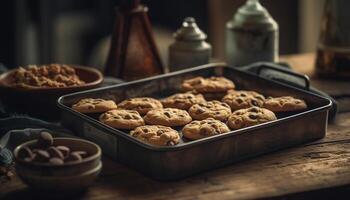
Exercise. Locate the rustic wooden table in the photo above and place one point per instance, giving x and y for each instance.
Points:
(320, 169)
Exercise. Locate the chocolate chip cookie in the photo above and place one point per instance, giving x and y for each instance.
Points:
(284, 104)
(243, 99)
(210, 109)
(182, 100)
(90, 105)
(205, 128)
(205, 85)
(156, 135)
(250, 116)
(168, 117)
(122, 119)
(140, 104)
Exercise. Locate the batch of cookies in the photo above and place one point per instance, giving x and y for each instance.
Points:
(197, 110)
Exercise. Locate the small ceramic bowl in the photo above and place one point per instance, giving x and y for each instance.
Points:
(41, 101)
(70, 176)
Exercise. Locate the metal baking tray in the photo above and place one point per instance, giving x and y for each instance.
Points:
(192, 157)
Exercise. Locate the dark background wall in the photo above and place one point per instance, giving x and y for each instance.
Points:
(22, 18)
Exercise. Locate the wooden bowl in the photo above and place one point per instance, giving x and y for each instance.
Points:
(41, 101)
(70, 176)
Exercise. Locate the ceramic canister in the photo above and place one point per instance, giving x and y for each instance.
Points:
(190, 48)
(251, 36)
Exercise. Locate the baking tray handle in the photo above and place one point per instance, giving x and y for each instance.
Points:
(285, 75)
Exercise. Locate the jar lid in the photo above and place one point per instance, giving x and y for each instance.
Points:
(189, 31)
(253, 12)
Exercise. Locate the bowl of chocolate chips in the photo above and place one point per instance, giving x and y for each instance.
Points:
(49, 163)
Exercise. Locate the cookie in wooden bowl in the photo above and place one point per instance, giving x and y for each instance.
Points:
(43, 85)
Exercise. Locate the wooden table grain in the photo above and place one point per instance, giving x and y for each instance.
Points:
(320, 169)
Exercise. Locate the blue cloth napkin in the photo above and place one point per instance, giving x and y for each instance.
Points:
(15, 130)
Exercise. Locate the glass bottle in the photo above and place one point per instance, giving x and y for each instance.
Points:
(333, 50)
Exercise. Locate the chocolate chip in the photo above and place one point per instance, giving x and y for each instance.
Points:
(238, 113)
(239, 100)
(45, 140)
(167, 114)
(200, 110)
(243, 95)
(223, 104)
(253, 116)
(159, 132)
(41, 156)
(56, 161)
(254, 102)
(64, 150)
(55, 153)
(128, 117)
(25, 152)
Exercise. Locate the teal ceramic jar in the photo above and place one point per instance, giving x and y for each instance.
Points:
(251, 36)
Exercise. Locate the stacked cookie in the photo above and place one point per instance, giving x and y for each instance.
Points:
(207, 107)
